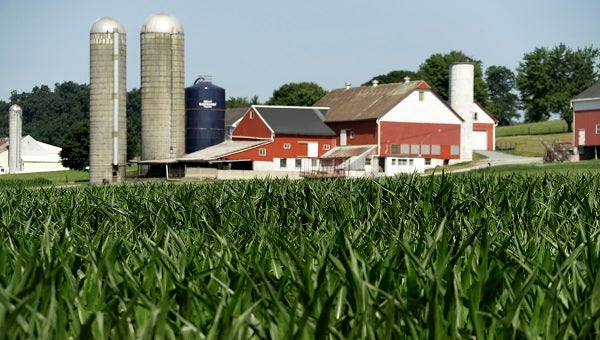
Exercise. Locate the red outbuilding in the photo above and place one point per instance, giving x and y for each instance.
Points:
(586, 122)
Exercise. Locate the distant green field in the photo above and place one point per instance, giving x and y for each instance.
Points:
(530, 145)
(540, 128)
(564, 168)
(45, 178)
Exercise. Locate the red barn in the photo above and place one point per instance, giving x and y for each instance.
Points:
(294, 133)
(586, 122)
(484, 128)
(411, 126)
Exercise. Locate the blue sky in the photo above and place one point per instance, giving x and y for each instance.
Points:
(253, 47)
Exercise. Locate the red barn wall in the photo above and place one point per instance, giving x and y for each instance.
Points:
(444, 135)
(298, 148)
(365, 131)
(587, 120)
(252, 125)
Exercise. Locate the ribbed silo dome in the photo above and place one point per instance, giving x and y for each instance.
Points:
(162, 23)
(107, 24)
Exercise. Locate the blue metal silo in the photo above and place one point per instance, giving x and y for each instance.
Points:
(204, 115)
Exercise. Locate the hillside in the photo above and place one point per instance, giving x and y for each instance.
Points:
(525, 139)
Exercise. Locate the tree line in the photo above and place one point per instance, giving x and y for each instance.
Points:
(542, 85)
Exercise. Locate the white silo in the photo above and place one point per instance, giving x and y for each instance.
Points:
(15, 133)
(162, 88)
(461, 100)
(108, 96)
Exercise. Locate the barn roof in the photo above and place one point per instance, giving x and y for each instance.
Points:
(221, 150)
(295, 120)
(349, 151)
(234, 114)
(366, 102)
(592, 92)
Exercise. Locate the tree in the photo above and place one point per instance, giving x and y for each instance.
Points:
(75, 153)
(394, 77)
(549, 78)
(436, 72)
(234, 102)
(503, 103)
(297, 94)
(134, 123)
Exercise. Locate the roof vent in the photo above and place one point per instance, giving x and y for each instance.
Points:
(348, 85)
(406, 79)
(375, 82)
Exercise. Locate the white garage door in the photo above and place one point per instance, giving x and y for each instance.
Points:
(480, 140)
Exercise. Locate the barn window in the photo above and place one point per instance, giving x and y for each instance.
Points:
(393, 161)
(455, 150)
(598, 129)
(287, 146)
(425, 149)
(474, 115)
(394, 149)
(402, 162)
(367, 161)
(262, 152)
(411, 162)
(251, 114)
(421, 96)
(283, 163)
(415, 149)
(351, 134)
(404, 148)
(435, 149)
(326, 146)
(427, 161)
(298, 162)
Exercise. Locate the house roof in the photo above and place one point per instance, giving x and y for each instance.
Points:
(366, 102)
(221, 150)
(295, 120)
(592, 92)
(234, 114)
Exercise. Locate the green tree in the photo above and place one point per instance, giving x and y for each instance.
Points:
(436, 72)
(4, 107)
(394, 77)
(549, 78)
(233, 102)
(503, 103)
(297, 94)
(134, 123)
(75, 153)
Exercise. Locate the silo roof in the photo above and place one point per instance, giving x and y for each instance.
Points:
(162, 23)
(107, 24)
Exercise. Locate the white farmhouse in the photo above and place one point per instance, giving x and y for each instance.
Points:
(35, 156)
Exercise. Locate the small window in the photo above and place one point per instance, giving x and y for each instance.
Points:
(287, 146)
(421, 96)
(394, 149)
(393, 161)
(313, 162)
(425, 149)
(402, 162)
(474, 115)
(283, 163)
(262, 152)
(411, 162)
(251, 114)
(298, 163)
(351, 134)
(598, 129)
(435, 149)
(455, 150)
(415, 149)
(368, 161)
(326, 146)
(404, 149)
(427, 161)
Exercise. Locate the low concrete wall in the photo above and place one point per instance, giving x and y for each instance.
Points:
(206, 173)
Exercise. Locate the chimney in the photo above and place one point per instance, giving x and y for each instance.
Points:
(406, 79)
(348, 85)
(375, 82)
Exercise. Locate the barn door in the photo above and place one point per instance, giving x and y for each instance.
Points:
(581, 137)
(343, 137)
(313, 149)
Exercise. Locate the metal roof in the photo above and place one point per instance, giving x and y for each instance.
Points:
(234, 114)
(221, 150)
(592, 92)
(295, 120)
(107, 25)
(349, 151)
(162, 23)
(366, 102)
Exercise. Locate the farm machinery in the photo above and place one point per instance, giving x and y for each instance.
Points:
(557, 151)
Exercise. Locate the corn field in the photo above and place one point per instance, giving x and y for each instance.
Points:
(454, 256)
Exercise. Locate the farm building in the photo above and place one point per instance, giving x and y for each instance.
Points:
(35, 156)
(270, 138)
(410, 126)
(586, 122)
(484, 128)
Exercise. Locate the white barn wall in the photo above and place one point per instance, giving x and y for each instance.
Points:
(430, 110)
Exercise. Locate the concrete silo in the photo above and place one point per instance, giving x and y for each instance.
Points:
(15, 133)
(461, 100)
(162, 88)
(108, 96)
